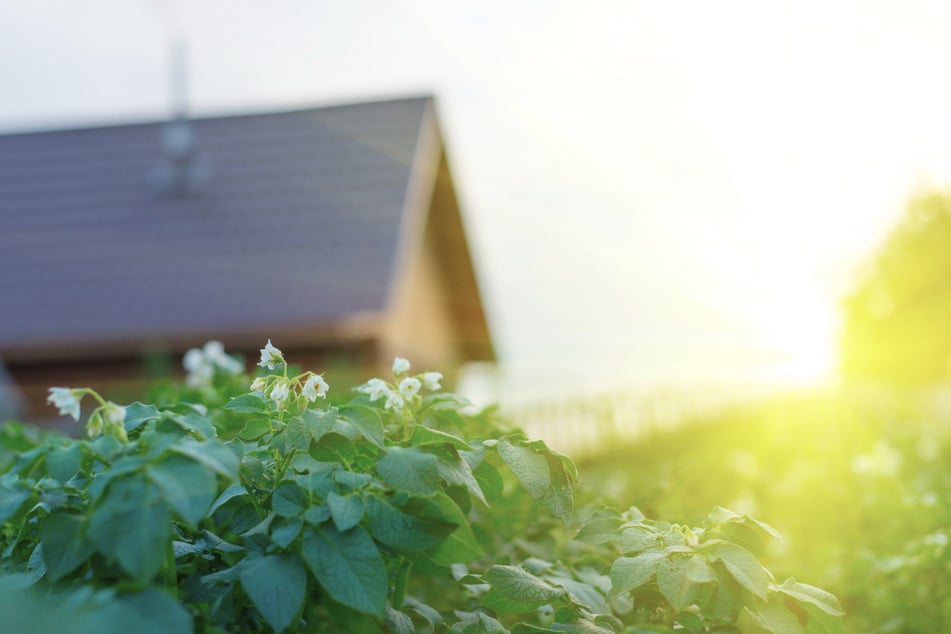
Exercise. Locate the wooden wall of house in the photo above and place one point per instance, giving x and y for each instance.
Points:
(420, 325)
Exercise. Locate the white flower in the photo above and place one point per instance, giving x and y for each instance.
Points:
(376, 388)
(431, 380)
(215, 353)
(270, 356)
(400, 366)
(201, 376)
(258, 385)
(114, 414)
(315, 387)
(66, 400)
(199, 369)
(213, 349)
(279, 393)
(193, 360)
(394, 401)
(409, 387)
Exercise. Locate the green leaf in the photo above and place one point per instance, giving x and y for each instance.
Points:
(276, 584)
(11, 499)
(490, 625)
(320, 483)
(628, 573)
(63, 462)
(285, 531)
(317, 515)
(244, 518)
(107, 448)
(289, 499)
(348, 566)
(460, 546)
(490, 480)
(806, 594)
(132, 524)
(397, 622)
(298, 434)
(64, 547)
(774, 617)
(137, 414)
(742, 565)
(189, 487)
(675, 584)
(599, 531)
(409, 469)
(247, 404)
(351, 480)
(583, 593)
(529, 467)
(415, 526)
(516, 583)
(558, 497)
(334, 447)
(193, 422)
(158, 613)
(366, 420)
(720, 515)
(428, 613)
(423, 435)
(216, 543)
(742, 530)
(727, 596)
(254, 429)
(212, 453)
(699, 570)
(233, 491)
(821, 622)
(346, 511)
(495, 600)
(765, 528)
(474, 455)
(637, 539)
(35, 565)
(455, 470)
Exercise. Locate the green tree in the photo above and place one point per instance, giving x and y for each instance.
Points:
(896, 327)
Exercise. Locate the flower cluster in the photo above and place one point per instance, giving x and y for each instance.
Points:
(399, 395)
(305, 388)
(108, 418)
(201, 364)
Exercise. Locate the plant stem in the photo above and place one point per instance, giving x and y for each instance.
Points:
(254, 500)
(399, 588)
(171, 572)
(284, 464)
(95, 395)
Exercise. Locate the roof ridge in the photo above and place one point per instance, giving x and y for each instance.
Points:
(418, 97)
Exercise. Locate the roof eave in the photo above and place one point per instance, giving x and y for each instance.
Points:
(339, 332)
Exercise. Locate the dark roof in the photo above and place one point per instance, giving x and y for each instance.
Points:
(297, 224)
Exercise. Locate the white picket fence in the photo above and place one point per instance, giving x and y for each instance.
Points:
(582, 425)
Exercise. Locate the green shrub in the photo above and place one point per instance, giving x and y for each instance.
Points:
(219, 509)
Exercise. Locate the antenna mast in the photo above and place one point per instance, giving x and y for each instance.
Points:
(181, 169)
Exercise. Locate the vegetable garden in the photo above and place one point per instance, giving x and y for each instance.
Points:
(220, 507)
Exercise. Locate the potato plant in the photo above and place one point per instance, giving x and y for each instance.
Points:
(239, 505)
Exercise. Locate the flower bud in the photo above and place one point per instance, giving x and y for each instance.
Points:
(94, 426)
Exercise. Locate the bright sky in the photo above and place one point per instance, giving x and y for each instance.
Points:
(656, 192)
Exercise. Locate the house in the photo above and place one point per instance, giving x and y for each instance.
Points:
(333, 231)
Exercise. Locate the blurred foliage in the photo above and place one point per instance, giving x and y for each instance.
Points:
(895, 328)
(857, 484)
